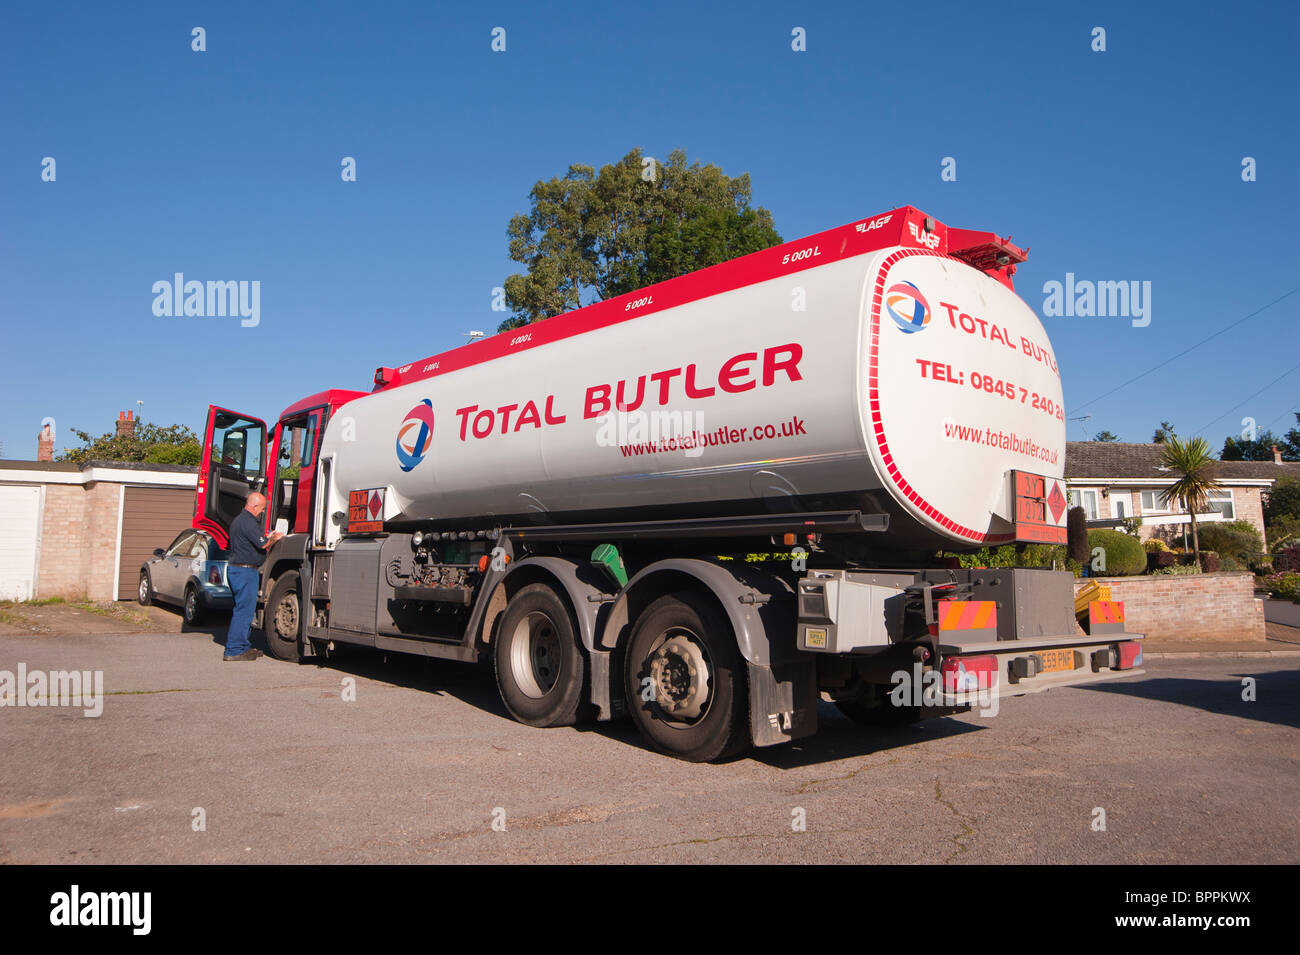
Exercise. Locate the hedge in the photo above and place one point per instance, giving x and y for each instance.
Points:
(1124, 555)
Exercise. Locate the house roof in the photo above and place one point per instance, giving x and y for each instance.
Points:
(1098, 460)
(12, 465)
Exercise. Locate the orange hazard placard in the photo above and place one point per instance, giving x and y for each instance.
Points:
(1040, 504)
(366, 511)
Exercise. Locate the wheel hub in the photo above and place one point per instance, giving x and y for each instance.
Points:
(535, 655)
(286, 617)
(680, 676)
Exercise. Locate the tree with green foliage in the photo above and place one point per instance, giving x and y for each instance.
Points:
(1192, 462)
(1260, 449)
(1105, 436)
(149, 443)
(1282, 512)
(591, 236)
(1163, 433)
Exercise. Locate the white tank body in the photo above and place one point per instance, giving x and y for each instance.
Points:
(899, 379)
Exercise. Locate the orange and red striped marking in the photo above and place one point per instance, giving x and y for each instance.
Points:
(968, 614)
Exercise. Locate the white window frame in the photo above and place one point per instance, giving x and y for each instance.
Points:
(1222, 497)
(1160, 505)
(1077, 498)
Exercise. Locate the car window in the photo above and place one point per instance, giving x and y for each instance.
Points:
(198, 546)
(181, 545)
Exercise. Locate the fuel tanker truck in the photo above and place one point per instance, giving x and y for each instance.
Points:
(708, 504)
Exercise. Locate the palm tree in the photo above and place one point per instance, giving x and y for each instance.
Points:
(1190, 459)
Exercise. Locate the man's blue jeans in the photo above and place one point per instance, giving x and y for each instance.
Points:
(243, 583)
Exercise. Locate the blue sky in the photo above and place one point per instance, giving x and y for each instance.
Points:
(1123, 165)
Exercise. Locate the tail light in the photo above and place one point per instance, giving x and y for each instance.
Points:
(964, 674)
(1130, 655)
(214, 574)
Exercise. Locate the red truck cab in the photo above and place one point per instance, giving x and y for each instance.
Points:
(235, 463)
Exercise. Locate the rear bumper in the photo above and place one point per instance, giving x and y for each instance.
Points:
(1096, 659)
(216, 597)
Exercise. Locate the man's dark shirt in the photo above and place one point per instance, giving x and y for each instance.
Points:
(246, 539)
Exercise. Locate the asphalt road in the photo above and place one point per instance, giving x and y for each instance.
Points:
(417, 768)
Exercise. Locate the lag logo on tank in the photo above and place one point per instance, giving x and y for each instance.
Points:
(908, 307)
(415, 435)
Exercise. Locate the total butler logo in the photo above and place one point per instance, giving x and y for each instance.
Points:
(908, 307)
(415, 435)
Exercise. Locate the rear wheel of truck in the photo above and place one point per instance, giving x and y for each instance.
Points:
(540, 668)
(282, 618)
(685, 680)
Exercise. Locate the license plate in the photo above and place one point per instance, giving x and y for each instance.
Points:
(1054, 661)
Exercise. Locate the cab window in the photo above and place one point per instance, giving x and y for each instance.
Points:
(297, 447)
(237, 444)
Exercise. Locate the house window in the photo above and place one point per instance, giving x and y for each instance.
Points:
(1221, 501)
(1087, 500)
(1154, 502)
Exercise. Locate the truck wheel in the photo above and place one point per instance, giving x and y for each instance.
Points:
(282, 618)
(145, 594)
(540, 669)
(193, 607)
(686, 684)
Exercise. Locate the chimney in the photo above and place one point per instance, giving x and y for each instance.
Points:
(45, 445)
(1277, 455)
(125, 424)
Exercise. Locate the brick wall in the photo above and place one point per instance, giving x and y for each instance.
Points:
(79, 541)
(1194, 607)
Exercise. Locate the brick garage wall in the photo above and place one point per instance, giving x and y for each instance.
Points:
(79, 541)
(1195, 607)
(102, 501)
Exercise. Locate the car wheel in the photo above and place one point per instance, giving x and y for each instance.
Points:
(193, 606)
(686, 682)
(145, 593)
(282, 618)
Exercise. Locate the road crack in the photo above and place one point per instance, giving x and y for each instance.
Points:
(965, 821)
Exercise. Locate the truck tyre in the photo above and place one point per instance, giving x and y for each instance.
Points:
(282, 618)
(192, 608)
(686, 683)
(145, 593)
(540, 668)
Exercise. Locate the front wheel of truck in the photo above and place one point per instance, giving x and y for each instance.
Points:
(686, 682)
(282, 618)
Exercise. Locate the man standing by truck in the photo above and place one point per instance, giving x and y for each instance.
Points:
(247, 551)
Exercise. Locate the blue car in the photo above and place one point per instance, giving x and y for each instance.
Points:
(190, 574)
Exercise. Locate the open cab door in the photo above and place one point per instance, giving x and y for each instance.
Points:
(233, 466)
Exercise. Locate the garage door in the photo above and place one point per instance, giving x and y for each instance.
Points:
(20, 521)
(151, 518)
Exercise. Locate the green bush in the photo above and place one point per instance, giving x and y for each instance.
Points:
(1156, 546)
(1034, 555)
(1175, 570)
(1236, 541)
(1284, 586)
(1124, 555)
